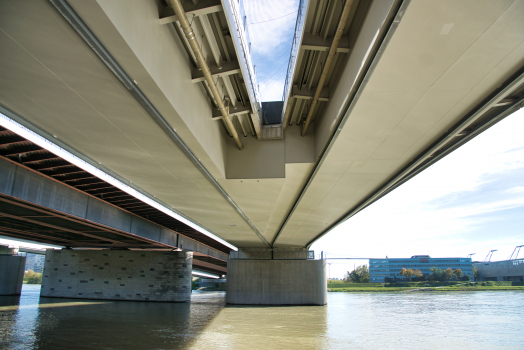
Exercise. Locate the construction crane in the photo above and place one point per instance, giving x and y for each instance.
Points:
(515, 252)
(490, 254)
(470, 255)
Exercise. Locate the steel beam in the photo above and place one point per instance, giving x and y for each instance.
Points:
(317, 43)
(58, 228)
(204, 7)
(213, 44)
(232, 111)
(228, 68)
(306, 94)
(51, 213)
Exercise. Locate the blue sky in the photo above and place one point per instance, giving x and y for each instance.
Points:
(271, 26)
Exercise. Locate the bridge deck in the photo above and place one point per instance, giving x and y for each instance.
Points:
(414, 80)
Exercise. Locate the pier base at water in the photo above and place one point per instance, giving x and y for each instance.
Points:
(11, 274)
(266, 281)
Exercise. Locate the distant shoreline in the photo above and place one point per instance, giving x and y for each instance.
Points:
(423, 290)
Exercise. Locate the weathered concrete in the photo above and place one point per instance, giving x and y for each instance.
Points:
(11, 272)
(118, 275)
(276, 282)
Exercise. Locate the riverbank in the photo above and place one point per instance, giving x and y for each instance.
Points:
(455, 288)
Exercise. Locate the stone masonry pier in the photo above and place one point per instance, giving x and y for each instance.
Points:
(118, 275)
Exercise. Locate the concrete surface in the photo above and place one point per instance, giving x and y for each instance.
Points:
(276, 282)
(118, 275)
(11, 274)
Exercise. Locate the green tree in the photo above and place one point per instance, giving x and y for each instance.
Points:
(408, 273)
(476, 273)
(33, 277)
(358, 275)
(466, 278)
(436, 274)
(448, 273)
(458, 273)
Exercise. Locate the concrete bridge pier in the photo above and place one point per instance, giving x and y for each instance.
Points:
(11, 271)
(275, 277)
(118, 275)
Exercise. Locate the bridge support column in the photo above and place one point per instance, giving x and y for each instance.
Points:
(256, 279)
(118, 275)
(11, 271)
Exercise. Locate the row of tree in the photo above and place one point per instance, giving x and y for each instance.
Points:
(409, 273)
(437, 274)
(445, 275)
(361, 274)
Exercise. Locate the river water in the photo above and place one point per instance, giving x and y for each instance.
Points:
(436, 320)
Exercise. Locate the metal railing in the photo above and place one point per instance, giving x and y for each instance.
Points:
(237, 21)
(295, 50)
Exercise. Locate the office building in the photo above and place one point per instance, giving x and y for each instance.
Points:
(35, 262)
(379, 269)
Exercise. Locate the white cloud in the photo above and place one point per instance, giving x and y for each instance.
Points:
(271, 90)
(517, 189)
(265, 27)
(271, 26)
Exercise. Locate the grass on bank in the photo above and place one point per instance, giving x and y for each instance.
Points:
(424, 286)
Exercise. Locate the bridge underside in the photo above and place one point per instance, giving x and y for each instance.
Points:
(413, 80)
(18, 156)
(37, 207)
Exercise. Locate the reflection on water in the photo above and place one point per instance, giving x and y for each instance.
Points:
(82, 324)
(294, 327)
(469, 320)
